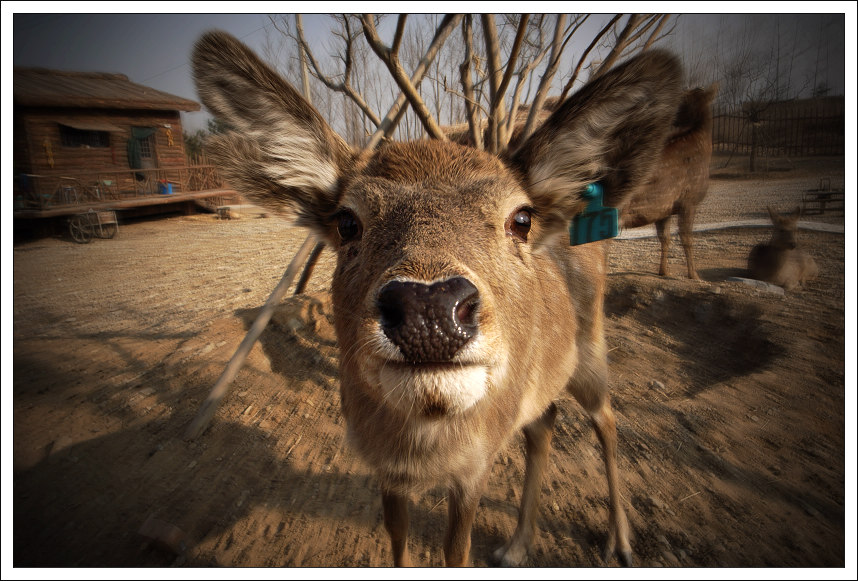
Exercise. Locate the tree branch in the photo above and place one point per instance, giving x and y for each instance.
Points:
(343, 87)
(397, 110)
(391, 60)
(400, 30)
(586, 53)
(471, 106)
(497, 111)
(620, 45)
(656, 34)
(529, 65)
(498, 124)
(557, 46)
(305, 78)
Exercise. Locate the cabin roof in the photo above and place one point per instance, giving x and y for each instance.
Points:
(38, 87)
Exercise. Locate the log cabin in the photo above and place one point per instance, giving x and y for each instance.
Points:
(99, 139)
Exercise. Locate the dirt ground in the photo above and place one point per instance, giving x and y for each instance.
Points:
(730, 399)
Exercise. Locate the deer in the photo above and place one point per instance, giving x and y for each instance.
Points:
(779, 261)
(461, 311)
(677, 187)
(682, 180)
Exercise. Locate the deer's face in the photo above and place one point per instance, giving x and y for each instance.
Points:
(785, 228)
(449, 284)
(435, 245)
(783, 237)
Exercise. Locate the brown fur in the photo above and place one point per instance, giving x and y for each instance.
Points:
(682, 179)
(779, 261)
(430, 213)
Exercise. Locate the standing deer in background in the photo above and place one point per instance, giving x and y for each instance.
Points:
(778, 261)
(681, 181)
(460, 309)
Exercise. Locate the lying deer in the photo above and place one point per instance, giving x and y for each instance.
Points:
(778, 261)
(460, 309)
(682, 180)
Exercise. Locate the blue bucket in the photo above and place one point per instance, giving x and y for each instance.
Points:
(165, 188)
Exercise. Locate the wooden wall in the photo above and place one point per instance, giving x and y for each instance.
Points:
(36, 130)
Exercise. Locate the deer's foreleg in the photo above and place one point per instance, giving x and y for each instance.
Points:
(462, 505)
(605, 424)
(686, 227)
(396, 522)
(538, 440)
(663, 231)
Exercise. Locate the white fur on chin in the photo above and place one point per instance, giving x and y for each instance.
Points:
(454, 388)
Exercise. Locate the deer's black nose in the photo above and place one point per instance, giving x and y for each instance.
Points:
(429, 323)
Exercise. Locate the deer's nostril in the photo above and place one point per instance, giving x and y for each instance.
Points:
(429, 322)
(391, 311)
(466, 310)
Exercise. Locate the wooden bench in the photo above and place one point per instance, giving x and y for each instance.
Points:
(823, 199)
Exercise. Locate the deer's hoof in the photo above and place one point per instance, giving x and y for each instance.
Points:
(507, 556)
(624, 556)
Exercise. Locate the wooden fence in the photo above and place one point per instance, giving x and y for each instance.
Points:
(794, 128)
(44, 192)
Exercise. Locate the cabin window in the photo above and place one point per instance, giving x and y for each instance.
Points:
(73, 137)
(147, 147)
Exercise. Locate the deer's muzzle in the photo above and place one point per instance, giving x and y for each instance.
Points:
(429, 323)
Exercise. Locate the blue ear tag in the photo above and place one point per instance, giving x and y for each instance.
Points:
(597, 222)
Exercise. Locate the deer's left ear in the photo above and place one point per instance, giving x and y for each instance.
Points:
(612, 131)
(774, 216)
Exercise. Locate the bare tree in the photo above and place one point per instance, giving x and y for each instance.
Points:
(468, 92)
(754, 65)
(633, 35)
(284, 51)
(514, 54)
(389, 55)
(348, 33)
(557, 45)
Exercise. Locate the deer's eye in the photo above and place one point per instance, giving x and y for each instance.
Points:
(518, 224)
(348, 226)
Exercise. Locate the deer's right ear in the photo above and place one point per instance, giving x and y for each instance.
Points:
(613, 131)
(280, 152)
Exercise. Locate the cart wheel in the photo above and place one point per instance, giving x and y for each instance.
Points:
(80, 229)
(109, 230)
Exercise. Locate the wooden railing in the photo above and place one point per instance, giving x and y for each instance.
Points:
(42, 192)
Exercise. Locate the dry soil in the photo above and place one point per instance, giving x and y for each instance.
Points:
(730, 403)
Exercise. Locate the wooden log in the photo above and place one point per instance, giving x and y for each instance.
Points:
(308, 268)
(220, 389)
